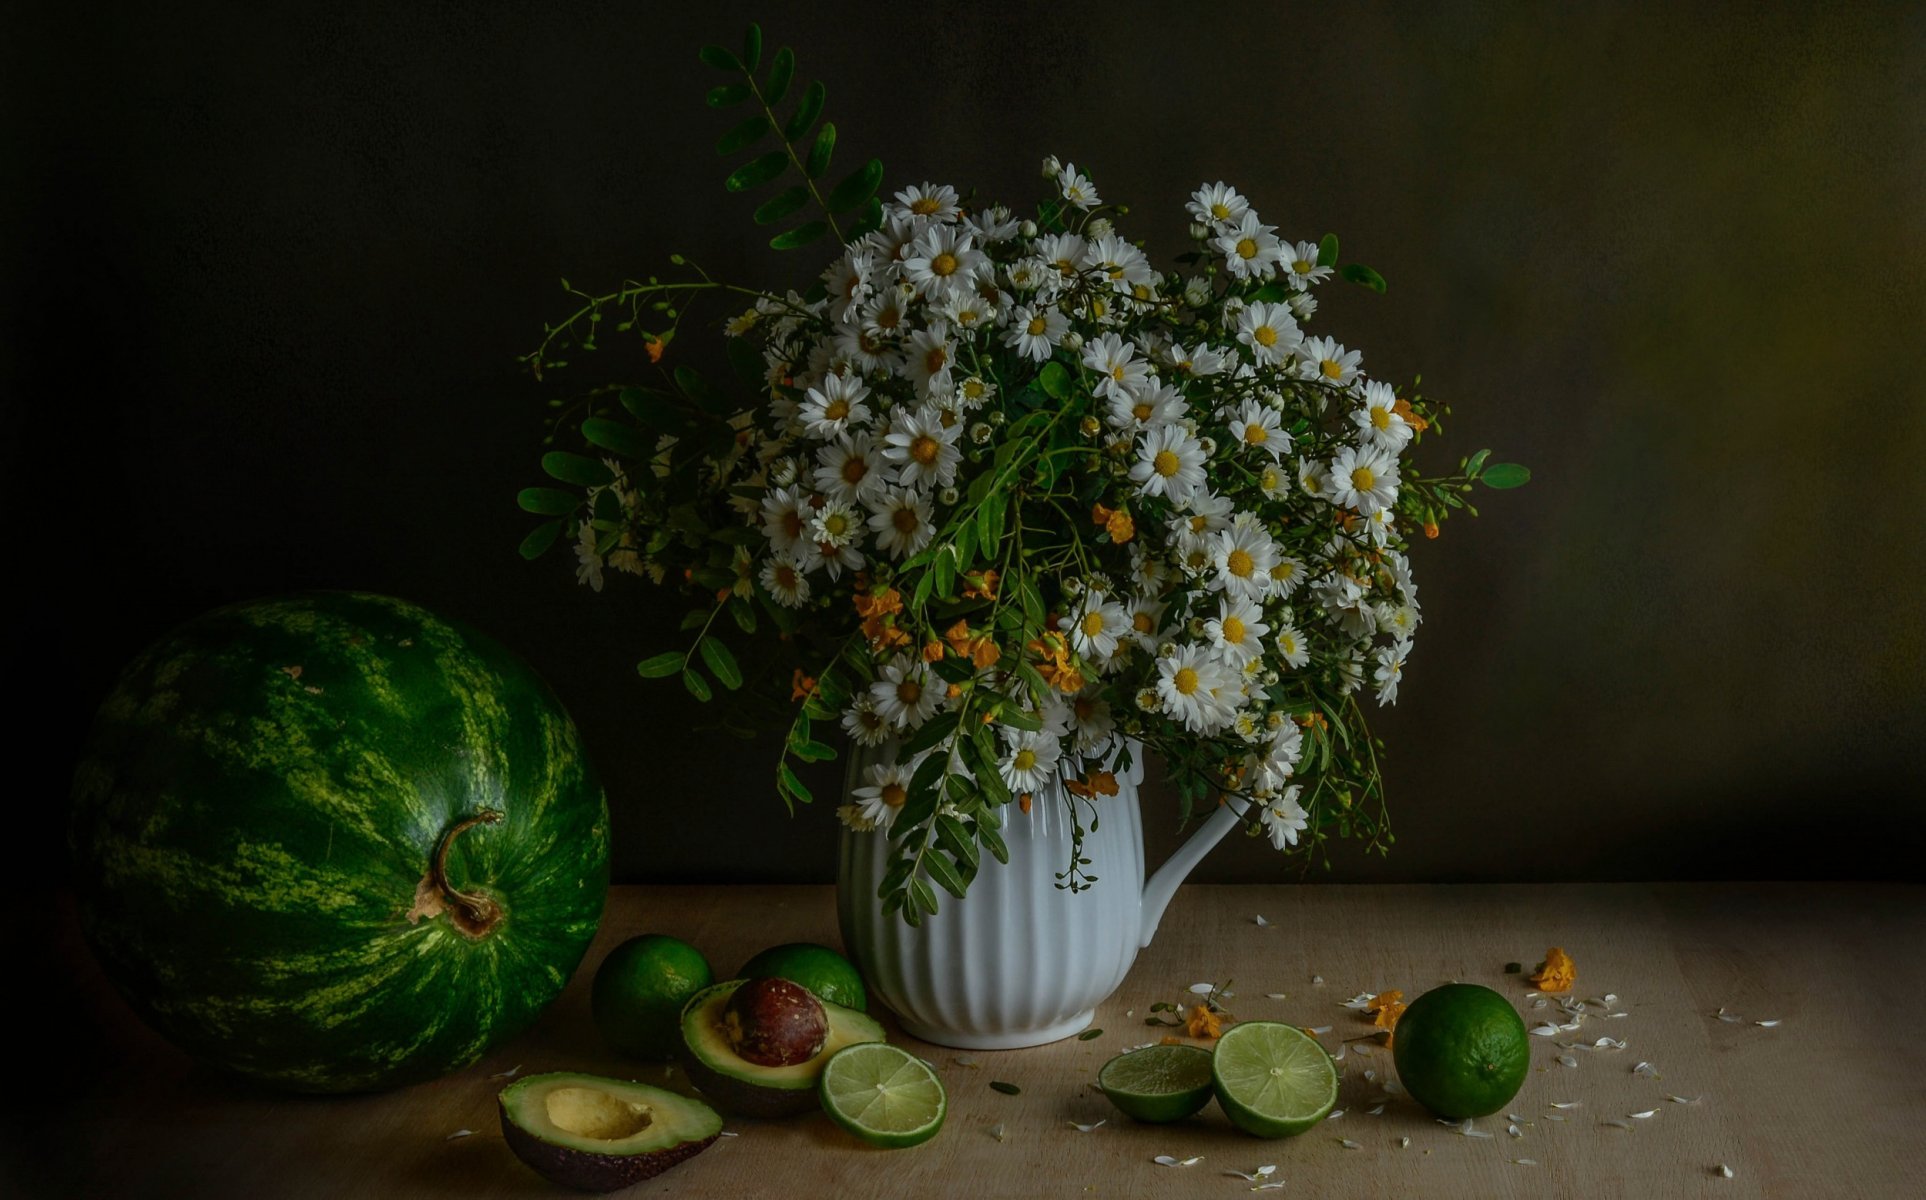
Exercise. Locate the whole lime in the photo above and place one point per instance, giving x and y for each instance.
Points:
(1461, 1050)
(818, 968)
(639, 992)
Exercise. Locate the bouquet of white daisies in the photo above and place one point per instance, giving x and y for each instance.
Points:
(1017, 503)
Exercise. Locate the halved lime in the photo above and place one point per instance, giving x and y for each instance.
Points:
(1273, 1080)
(1158, 1083)
(883, 1094)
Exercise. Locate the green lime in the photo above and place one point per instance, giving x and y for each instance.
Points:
(639, 992)
(883, 1094)
(1158, 1083)
(1461, 1050)
(818, 968)
(1273, 1080)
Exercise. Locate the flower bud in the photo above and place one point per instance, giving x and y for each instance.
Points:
(1052, 167)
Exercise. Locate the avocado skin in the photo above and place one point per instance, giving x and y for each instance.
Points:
(590, 1172)
(743, 1098)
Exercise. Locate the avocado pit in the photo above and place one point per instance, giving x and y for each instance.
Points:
(774, 1023)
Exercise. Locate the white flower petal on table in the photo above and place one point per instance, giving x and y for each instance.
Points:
(1082, 1128)
(1404, 1143)
(996, 1131)
(1769, 1024)
(1275, 996)
(1546, 1030)
(1514, 1131)
(1725, 1172)
(1647, 1115)
(1359, 1002)
(1202, 989)
(1261, 922)
(1319, 1029)
(1523, 1162)
(1348, 1144)
(1684, 1099)
(1165, 1160)
(1568, 1060)
(508, 1074)
(459, 1133)
(1568, 1104)
(1375, 1112)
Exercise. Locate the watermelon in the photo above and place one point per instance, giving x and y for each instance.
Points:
(336, 843)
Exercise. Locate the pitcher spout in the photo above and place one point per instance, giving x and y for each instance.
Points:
(1161, 886)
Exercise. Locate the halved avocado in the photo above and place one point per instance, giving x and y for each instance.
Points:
(596, 1134)
(741, 1086)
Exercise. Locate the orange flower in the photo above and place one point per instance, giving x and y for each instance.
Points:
(932, 650)
(1100, 783)
(801, 686)
(1388, 1006)
(1431, 529)
(976, 647)
(870, 603)
(1023, 802)
(1312, 720)
(1114, 521)
(1403, 408)
(1557, 973)
(655, 347)
(1203, 1023)
(980, 585)
(1056, 663)
(884, 635)
(1171, 1039)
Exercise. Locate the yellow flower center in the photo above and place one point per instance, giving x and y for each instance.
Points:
(1166, 464)
(1238, 562)
(889, 318)
(1092, 623)
(1141, 410)
(1362, 479)
(1330, 370)
(1246, 248)
(1233, 630)
(894, 795)
(1026, 759)
(1264, 336)
(1036, 326)
(1380, 419)
(1289, 643)
(1220, 210)
(923, 206)
(973, 389)
(1199, 524)
(836, 524)
(905, 520)
(785, 576)
(854, 469)
(1185, 681)
(836, 409)
(924, 449)
(1283, 571)
(1117, 373)
(909, 691)
(1256, 434)
(943, 264)
(1302, 266)
(1140, 622)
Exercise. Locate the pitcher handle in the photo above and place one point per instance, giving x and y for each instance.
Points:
(1160, 887)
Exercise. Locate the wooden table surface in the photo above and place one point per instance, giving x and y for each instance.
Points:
(1829, 1102)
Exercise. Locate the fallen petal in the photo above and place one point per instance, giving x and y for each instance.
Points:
(459, 1133)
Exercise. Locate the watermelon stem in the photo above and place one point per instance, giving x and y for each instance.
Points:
(474, 913)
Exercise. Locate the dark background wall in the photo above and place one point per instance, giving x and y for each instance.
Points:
(269, 273)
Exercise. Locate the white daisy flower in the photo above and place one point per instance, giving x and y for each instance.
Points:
(588, 563)
(1243, 555)
(1364, 478)
(1344, 600)
(1121, 264)
(833, 406)
(1311, 479)
(1272, 480)
(1195, 688)
(1378, 419)
(1064, 252)
(865, 351)
(864, 725)
(1287, 575)
(1390, 660)
(1202, 515)
(1271, 770)
(1198, 361)
(1269, 330)
(848, 284)
(1034, 334)
(1092, 723)
(942, 261)
(1095, 625)
(1170, 463)
(968, 310)
(1146, 408)
(1301, 267)
(1256, 425)
(1326, 360)
(1399, 620)
(974, 391)
(850, 469)
(835, 525)
(1217, 204)
(783, 579)
(923, 448)
(994, 224)
(926, 202)
(1077, 189)
(1284, 819)
(928, 359)
(902, 522)
(1123, 373)
(885, 790)
(1237, 631)
(904, 693)
(851, 815)
(1031, 761)
(1250, 247)
(1146, 615)
(1291, 646)
(1379, 524)
(1029, 274)
(786, 513)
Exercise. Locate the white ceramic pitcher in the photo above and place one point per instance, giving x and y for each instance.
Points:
(1018, 961)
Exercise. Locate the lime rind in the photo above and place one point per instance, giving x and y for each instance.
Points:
(1273, 1080)
(883, 1095)
(1158, 1084)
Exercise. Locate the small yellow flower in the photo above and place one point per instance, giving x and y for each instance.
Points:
(1388, 1007)
(1203, 1023)
(1557, 973)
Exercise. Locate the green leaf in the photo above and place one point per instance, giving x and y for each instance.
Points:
(540, 538)
(1054, 379)
(548, 502)
(1008, 1089)
(1363, 276)
(781, 205)
(1327, 251)
(938, 868)
(807, 110)
(1505, 475)
(993, 842)
(989, 520)
(1090, 1035)
(697, 685)
(757, 171)
(578, 469)
(819, 153)
(801, 235)
(1016, 718)
(933, 731)
(943, 568)
(856, 187)
(752, 47)
(624, 440)
(922, 896)
(788, 778)
(812, 751)
(870, 220)
(661, 666)
(722, 663)
(782, 69)
(701, 391)
(1476, 461)
(951, 835)
(744, 135)
(727, 94)
(719, 58)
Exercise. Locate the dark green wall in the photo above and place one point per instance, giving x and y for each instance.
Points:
(270, 274)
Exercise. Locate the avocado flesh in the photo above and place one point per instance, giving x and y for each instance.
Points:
(741, 1086)
(584, 1131)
